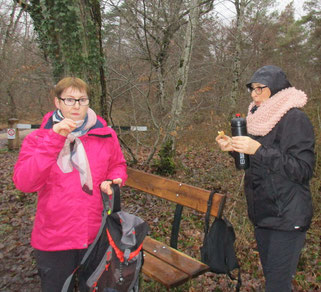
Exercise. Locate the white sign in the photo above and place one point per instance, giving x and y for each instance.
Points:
(138, 128)
(24, 126)
(11, 134)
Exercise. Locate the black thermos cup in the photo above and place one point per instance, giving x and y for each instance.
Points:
(238, 127)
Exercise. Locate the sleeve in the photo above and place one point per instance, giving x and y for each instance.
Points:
(36, 157)
(294, 157)
(117, 165)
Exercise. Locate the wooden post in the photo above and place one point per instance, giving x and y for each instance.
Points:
(13, 134)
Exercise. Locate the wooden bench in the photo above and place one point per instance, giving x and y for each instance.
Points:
(164, 263)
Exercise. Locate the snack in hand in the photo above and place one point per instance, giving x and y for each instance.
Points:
(221, 133)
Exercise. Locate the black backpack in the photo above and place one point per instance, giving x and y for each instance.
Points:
(218, 246)
(114, 260)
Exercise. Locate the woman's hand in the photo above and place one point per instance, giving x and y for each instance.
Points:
(105, 186)
(244, 144)
(65, 127)
(224, 142)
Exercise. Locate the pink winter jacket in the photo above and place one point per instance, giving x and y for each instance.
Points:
(66, 217)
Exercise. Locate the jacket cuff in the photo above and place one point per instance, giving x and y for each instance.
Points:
(259, 153)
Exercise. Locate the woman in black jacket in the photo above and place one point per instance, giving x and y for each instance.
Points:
(281, 150)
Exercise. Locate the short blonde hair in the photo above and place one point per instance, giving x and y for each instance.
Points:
(74, 82)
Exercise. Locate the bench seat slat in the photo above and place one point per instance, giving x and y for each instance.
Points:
(162, 263)
(180, 193)
(162, 272)
(175, 258)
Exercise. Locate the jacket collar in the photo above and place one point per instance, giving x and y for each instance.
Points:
(47, 123)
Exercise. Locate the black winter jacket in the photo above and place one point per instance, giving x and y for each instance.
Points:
(277, 182)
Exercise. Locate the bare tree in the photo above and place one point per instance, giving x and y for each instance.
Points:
(240, 6)
(6, 43)
(162, 33)
(182, 71)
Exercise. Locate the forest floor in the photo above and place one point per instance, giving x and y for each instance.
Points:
(200, 166)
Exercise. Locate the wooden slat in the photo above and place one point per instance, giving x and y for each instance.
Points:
(163, 272)
(175, 258)
(183, 194)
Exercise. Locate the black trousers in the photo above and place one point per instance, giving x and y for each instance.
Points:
(54, 267)
(279, 254)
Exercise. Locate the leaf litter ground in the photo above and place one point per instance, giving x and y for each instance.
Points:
(201, 167)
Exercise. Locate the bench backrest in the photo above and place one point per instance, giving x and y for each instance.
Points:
(180, 193)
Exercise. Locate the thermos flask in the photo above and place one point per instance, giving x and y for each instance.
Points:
(238, 127)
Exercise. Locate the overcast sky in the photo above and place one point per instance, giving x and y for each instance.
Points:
(227, 12)
(298, 4)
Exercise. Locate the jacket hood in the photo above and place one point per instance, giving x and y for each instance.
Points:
(271, 76)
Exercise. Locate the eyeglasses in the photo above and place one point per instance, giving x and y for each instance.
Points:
(258, 90)
(72, 101)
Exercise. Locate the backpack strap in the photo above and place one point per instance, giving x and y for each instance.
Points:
(206, 228)
(239, 279)
(111, 203)
(115, 197)
(208, 212)
(86, 255)
(116, 208)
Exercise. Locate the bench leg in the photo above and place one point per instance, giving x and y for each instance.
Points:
(176, 224)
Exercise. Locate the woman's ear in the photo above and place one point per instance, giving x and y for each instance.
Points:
(57, 103)
(269, 90)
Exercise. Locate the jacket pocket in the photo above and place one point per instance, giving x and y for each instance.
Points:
(275, 194)
(266, 203)
(278, 193)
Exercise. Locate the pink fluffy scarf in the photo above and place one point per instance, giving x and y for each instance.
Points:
(270, 112)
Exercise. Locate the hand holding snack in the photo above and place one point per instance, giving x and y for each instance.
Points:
(64, 127)
(224, 141)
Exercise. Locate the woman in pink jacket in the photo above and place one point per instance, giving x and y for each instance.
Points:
(67, 162)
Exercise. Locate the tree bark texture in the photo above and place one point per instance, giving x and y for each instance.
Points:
(240, 6)
(182, 72)
(69, 33)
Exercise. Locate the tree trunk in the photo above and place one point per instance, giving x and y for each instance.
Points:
(69, 33)
(240, 7)
(182, 73)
